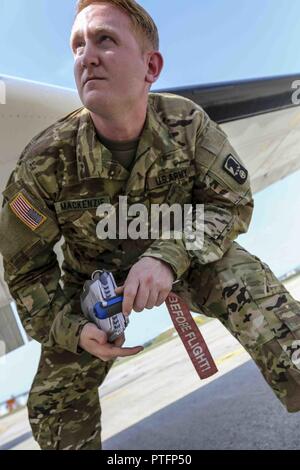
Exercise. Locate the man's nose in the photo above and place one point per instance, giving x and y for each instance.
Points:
(90, 56)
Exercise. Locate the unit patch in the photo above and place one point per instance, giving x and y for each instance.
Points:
(26, 212)
(235, 169)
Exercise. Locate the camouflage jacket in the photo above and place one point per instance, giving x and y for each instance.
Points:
(65, 173)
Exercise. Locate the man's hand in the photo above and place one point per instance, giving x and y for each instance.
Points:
(94, 341)
(148, 284)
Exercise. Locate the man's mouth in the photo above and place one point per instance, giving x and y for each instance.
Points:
(92, 79)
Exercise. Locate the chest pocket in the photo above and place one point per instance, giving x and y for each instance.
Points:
(171, 186)
(80, 228)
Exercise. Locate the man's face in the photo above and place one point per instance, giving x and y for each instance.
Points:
(106, 48)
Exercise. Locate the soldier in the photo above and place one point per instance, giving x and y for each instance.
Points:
(154, 148)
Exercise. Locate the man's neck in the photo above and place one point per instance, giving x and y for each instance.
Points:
(121, 128)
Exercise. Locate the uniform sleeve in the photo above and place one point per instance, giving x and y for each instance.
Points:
(222, 184)
(28, 232)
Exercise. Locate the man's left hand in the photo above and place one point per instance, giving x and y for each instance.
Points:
(148, 284)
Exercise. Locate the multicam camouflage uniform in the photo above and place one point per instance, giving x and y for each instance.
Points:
(61, 178)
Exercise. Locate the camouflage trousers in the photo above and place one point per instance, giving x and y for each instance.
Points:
(239, 290)
(63, 406)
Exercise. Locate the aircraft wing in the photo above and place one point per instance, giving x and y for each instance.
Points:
(26, 109)
(261, 121)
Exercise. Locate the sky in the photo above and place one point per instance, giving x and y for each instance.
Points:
(202, 42)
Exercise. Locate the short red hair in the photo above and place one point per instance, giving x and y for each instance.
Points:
(143, 24)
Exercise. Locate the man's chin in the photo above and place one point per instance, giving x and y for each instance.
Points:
(93, 100)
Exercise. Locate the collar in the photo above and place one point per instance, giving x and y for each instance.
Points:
(95, 161)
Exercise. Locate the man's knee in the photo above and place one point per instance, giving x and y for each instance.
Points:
(234, 257)
(200, 281)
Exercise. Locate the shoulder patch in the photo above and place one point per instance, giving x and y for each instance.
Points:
(26, 212)
(235, 169)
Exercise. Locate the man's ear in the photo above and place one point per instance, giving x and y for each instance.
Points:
(155, 66)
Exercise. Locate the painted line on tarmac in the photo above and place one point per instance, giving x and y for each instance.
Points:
(236, 352)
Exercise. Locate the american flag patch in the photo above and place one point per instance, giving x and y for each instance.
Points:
(25, 211)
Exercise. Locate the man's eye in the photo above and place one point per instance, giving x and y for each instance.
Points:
(105, 38)
(78, 45)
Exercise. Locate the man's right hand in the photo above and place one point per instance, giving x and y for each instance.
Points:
(95, 342)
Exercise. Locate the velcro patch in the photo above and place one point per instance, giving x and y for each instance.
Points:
(25, 211)
(235, 169)
(81, 204)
